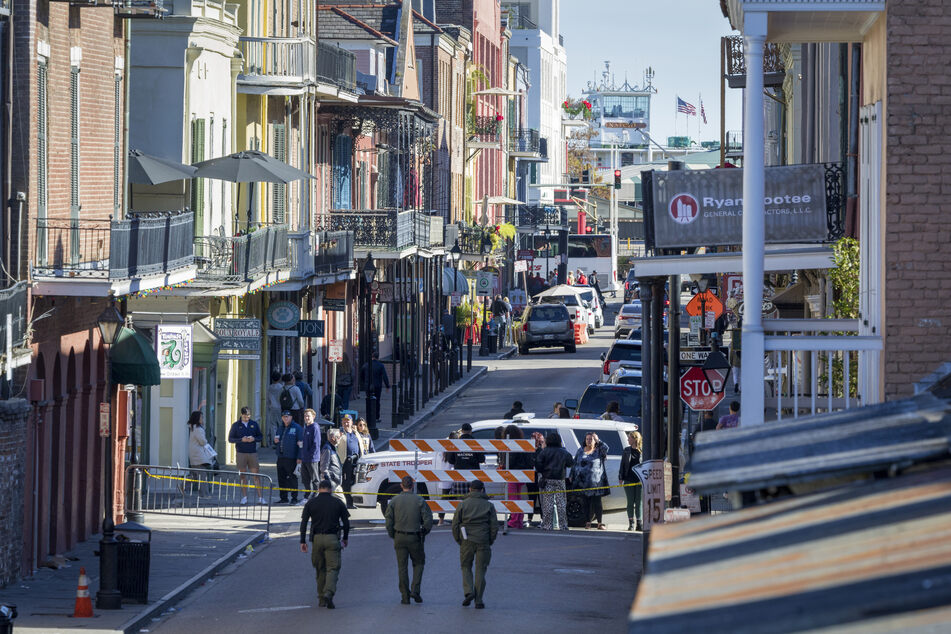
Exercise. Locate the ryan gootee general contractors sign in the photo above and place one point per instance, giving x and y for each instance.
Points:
(705, 207)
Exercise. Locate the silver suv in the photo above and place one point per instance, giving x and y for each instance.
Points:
(546, 326)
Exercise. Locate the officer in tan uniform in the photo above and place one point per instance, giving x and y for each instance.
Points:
(408, 521)
(474, 527)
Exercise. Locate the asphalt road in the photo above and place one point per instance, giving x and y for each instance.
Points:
(538, 581)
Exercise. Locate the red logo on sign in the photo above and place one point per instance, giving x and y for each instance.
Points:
(684, 209)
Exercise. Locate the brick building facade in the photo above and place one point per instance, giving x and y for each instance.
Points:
(13, 425)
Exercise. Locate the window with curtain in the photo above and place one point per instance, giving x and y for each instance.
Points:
(342, 171)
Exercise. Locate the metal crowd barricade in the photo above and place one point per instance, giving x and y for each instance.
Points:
(200, 493)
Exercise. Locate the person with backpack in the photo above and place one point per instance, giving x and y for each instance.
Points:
(291, 399)
(273, 420)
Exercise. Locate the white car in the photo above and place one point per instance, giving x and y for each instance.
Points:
(571, 297)
(588, 295)
(628, 319)
(375, 471)
(622, 350)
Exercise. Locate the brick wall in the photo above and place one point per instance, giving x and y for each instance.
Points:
(918, 184)
(13, 433)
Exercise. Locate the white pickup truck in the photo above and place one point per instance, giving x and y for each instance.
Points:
(375, 471)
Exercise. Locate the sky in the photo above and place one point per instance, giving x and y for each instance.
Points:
(679, 39)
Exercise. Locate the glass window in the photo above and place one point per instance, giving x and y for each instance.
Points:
(587, 296)
(595, 401)
(548, 313)
(610, 437)
(625, 353)
(567, 300)
(629, 379)
(589, 246)
(631, 309)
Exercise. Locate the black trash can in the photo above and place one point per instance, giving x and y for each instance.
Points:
(7, 614)
(134, 552)
(493, 342)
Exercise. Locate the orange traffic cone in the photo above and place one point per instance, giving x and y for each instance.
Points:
(83, 603)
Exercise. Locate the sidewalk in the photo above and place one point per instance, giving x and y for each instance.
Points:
(186, 551)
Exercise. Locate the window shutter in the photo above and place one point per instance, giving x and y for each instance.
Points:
(342, 171)
(198, 184)
(117, 149)
(42, 156)
(279, 190)
(74, 164)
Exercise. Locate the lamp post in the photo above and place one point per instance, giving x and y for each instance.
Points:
(369, 272)
(455, 254)
(109, 597)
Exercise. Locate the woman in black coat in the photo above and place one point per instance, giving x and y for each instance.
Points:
(632, 484)
(552, 463)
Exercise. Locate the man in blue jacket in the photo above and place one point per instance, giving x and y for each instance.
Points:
(310, 455)
(246, 435)
(289, 440)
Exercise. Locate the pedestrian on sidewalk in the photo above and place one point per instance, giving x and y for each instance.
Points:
(310, 455)
(366, 439)
(408, 521)
(345, 381)
(590, 473)
(289, 440)
(305, 391)
(374, 378)
(556, 410)
(327, 515)
(516, 409)
(516, 461)
(628, 477)
(246, 434)
(348, 452)
(274, 409)
(465, 460)
(474, 527)
(732, 419)
(330, 468)
(552, 462)
(291, 399)
(201, 454)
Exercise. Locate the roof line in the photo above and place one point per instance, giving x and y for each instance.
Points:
(363, 25)
(422, 18)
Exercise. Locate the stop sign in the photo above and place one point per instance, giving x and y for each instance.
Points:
(696, 392)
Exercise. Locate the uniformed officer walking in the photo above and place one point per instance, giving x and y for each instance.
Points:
(327, 515)
(474, 527)
(408, 521)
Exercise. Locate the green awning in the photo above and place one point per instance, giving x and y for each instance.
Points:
(133, 360)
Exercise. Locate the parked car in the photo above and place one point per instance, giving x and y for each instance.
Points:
(628, 318)
(630, 287)
(621, 350)
(588, 295)
(594, 401)
(546, 326)
(375, 472)
(570, 297)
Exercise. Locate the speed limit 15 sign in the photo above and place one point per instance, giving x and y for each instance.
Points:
(651, 473)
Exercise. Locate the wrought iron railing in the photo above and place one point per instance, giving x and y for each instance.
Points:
(72, 247)
(13, 303)
(287, 59)
(524, 140)
(429, 230)
(372, 228)
(773, 70)
(540, 216)
(151, 242)
(484, 129)
(334, 252)
(472, 240)
(517, 20)
(336, 65)
(235, 259)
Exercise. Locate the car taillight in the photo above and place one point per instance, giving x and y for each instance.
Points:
(605, 370)
(525, 327)
(569, 324)
(577, 415)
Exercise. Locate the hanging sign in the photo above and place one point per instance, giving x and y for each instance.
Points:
(173, 347)
(283, 315)
(483, 284)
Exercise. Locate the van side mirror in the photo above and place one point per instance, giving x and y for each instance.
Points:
(571, 403)
(602, 355)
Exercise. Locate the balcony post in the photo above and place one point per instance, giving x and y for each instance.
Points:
(754, 232)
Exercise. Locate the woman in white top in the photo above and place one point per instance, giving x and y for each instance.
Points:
(200, 453)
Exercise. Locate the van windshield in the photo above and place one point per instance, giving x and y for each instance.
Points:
(567, 300)
(625, 353)
(548, 313)
(595, 401)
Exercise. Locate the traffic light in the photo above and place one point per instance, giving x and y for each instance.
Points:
(617, 179)
(585, 176)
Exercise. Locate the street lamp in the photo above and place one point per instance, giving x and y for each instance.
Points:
(366, 345)
(713, 370)
(455, 254)
(369, 269)
(109, 597)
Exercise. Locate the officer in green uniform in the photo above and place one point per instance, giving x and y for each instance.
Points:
(408, 521)
(327, 516)
(474, 527)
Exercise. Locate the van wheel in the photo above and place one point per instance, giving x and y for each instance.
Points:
(386, 487)
(576, 510)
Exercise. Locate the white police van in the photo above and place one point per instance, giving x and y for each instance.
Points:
(375, 475)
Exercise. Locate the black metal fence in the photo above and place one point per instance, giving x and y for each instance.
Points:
(336, 65)
(372, 228)
(13, 302)
(72, 247)
(334, 252)
(234, 259)
(483, 129)
(524, 140)
(151, 242)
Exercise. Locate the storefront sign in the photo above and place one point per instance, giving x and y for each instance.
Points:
(310, 328)
(238, 334)
(283, 315)
(173, 347)
(105, 425)
(705, 207)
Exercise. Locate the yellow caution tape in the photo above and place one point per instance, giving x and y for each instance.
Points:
(428, 495)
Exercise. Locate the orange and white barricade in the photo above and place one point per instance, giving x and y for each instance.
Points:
(462, 444)
(501, 506)
(467, 475)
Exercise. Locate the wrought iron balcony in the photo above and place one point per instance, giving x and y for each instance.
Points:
(514, 19)
(472, 239)
(278, 61)
(372, 228)
(301, 251)
(334, 252)
(541, 216)
(237, 259)
(525, 142)
(429, 230)
(336, 66)
(143, 244)
(773, 71)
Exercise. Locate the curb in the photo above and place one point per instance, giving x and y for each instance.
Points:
(134, 624)
(448, 397)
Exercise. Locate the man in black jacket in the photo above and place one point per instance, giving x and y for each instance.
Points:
(516, 409)
(464, 460)
(327, 516)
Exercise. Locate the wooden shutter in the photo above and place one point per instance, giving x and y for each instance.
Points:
(42, 159)
(117, 148)
(198, 184)
(279, 190)
(74, 205)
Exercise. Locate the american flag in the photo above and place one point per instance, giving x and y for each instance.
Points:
(703, 114)
(686, 108)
